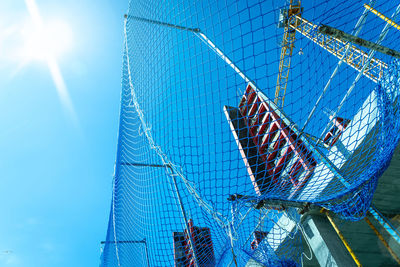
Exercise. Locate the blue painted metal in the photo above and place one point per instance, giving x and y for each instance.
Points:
(385, 223)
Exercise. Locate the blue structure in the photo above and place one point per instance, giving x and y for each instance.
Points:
(200, 123)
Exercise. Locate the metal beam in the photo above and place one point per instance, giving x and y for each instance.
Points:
(341, 35)
(379, 14)
(151, 21)
(392, 253)
(124, 242)
(384, 223)
(197, 32)
(355, 57)
(145, 165)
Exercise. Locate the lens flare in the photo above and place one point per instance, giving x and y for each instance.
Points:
(51, 40)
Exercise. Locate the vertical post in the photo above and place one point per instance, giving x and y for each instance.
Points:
(172, 175)
(147, 252)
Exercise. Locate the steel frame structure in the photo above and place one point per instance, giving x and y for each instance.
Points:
(355, 58)
(289, 38)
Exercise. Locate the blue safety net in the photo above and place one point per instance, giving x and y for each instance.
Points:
(239, 116)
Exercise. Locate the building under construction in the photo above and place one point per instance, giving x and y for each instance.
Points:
(258, 133)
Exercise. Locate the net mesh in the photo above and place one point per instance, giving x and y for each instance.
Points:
(236, 115)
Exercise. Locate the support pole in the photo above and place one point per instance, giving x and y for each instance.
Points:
(147, 252)
(162, 23)
(172, 175)
(197, 32)
(227, 60)
(124, 242)
(144, 164)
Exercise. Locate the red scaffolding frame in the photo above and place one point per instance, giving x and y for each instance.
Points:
(271, 150)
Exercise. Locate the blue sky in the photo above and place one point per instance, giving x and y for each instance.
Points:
(57, 150)
(56, 169)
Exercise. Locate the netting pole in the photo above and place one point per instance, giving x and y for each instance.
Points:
(114, 228)
(161, 23)
(233, 212)
(227, 60)
(172, 175)
(203, 38)
(233, 252)
(147, 252)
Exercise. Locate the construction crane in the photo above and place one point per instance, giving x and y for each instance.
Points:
(287, 17)
(327, 38)
(335, 41)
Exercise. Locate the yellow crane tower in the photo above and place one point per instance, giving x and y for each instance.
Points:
(286, 18)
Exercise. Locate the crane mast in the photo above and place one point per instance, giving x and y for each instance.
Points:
(286, 18)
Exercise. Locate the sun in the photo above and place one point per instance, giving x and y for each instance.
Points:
(47, 40)
(52, 39)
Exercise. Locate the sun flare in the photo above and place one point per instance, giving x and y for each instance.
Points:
(46, 40)
(50, 40)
